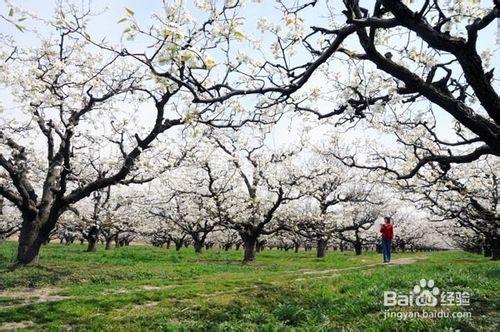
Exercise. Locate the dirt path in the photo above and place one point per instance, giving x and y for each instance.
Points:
(312, 274)
(32, 296)
(16, 325)
(335, 272)
(406, 261)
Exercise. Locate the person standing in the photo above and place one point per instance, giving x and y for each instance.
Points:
(387, 231)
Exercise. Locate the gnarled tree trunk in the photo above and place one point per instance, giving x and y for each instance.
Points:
(249, 242)
(29, 244)
(198, 246)
(93, 237)
(487, 250)
(321, 248)
(34, 232)
(358, 249)
(108, 243)
(358, 246)
(495, 249)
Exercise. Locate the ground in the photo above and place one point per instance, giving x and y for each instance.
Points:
(146, 288)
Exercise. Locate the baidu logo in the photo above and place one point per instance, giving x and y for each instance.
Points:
(430, 302)
(425, 294)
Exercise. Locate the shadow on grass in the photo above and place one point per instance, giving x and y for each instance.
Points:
(31, 276)
(73, 311)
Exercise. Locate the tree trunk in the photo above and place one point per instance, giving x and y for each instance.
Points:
(249, 243)
(358, 248)
(487, 250)
(297, 247)
(28, 253)
(178, 245)
(321, 248)
(93, 237)
(30, 241)
(108, 243)
(92, 246)
(29, 246)
(495, 249)
(198, 247)
(259, 246)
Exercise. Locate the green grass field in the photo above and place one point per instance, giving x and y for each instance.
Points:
(146, 288)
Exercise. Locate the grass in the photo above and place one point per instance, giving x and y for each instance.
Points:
(144, 288)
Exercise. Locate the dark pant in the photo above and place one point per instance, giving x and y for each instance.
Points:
(386, 249)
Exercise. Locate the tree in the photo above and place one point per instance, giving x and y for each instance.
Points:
(467, 196)
(120, 225)
(266, 180)
(161, 231)
(226, 238)
(398, 87)
(62, 92)
(419, 58)
(69, 228)
(190, 217)
(331, 188)
(198, 192)
(110, 215)
(286, 239)
(463, 238)
(413, 230)
(358, 227)
(72, 91)
(99, 202)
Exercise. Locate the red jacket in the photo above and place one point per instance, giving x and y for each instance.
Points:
(387, 231)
